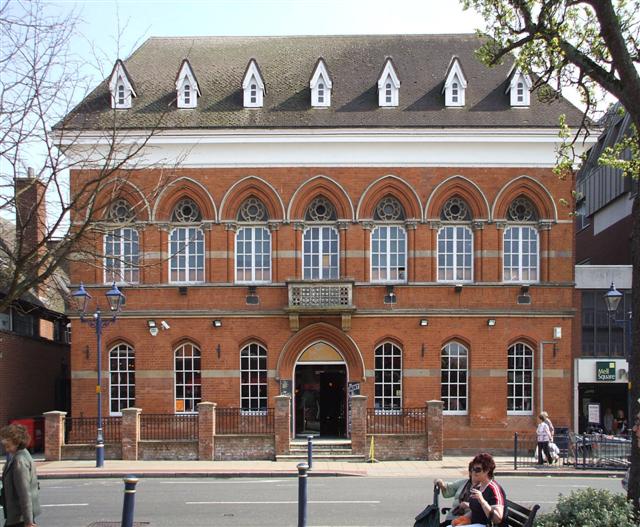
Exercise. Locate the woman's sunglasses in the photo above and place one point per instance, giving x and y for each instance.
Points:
(477, 470)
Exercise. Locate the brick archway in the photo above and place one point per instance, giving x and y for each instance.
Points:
(329, 334)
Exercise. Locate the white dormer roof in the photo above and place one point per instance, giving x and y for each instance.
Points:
(455, 84)
(519, 87)
(388, 85)
(253, 86)
(321, 85)
(187, 89)
(121, 86)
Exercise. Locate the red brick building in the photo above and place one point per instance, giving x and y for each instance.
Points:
(335, 213)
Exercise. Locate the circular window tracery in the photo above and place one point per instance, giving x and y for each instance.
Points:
(321, 209)
(253, 210)
(521, 209)
(456, 209)
(389, 209)
(186, 211)
(120, 211)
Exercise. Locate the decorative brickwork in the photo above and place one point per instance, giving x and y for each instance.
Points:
(434, 431)
(53, 435)
(206, 431)
(283, 424)
(130, 433)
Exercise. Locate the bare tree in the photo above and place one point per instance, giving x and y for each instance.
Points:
(594, 46)
(40, 78)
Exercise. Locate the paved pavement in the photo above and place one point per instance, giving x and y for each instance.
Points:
(449, 467)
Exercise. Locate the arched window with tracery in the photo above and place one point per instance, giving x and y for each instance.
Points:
(454, 365)
(521, 246)
(520, 380)
(389, 242)
(187, 378)
(388, 378)
(253, 378)
(253, 243)
(320, 241)
(455, 242)
(122, 378)
(121, 245)
(186, 244)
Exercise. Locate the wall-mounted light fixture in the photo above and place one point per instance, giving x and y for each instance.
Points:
(491, 322)
(252, 295)
(458, 288)
(423, 349)
(153, 328)
(218, 350)
(183, 290)
(390, 297)
(424, 322)
(217, 323)
(164, 325)
(524, 289)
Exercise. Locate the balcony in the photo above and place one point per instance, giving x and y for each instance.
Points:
(320, 298)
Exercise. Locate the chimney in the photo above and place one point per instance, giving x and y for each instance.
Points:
(31, 212)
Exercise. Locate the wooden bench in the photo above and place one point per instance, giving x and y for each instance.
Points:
(520, 516)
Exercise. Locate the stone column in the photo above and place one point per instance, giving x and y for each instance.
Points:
(359, 424)
(130, 428)
(282, 424)
(206, 431)
(434, 431)
(53, 435)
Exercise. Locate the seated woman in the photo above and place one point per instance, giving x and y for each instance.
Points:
(458, 490)
(487, 503)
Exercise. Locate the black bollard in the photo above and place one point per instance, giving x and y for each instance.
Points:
(302, 494)
(130, 483)
(310, 451)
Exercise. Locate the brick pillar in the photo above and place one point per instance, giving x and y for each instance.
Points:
(283, 424)
(53, 435)
(434, 431)
(206, 431)
(359, 424)
(130, 433)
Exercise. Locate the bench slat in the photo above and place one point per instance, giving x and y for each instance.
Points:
(520, 516)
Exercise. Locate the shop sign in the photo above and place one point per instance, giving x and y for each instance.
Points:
(605, 371)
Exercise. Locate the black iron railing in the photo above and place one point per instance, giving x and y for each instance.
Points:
(169, 427)
(404, 421)
(83, 430)
(244, 422)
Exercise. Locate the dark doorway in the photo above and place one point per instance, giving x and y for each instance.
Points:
(610, 396)
(320, 400)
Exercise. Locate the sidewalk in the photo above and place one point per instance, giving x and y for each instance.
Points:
(450, 467)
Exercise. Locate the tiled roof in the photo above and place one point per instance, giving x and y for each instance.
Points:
(287, 63)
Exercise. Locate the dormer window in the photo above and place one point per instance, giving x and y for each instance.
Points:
(253, 86)
(320, 84)
(455, 85)
(388, 85)
(519, 88)
(121, 87)
(187, 90)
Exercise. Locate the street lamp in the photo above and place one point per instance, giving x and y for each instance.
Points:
(115, 299)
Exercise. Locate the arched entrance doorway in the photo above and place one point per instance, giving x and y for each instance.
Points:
(320, 388)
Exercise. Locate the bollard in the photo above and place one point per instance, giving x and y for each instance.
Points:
(515, 451)
(302, 494)
(130, 483)
(310, 451)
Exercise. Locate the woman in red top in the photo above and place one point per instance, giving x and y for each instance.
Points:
(487, 501)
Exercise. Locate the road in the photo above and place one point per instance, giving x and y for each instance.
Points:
(247, 502)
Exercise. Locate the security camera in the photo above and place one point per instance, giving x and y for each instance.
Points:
(165, 324)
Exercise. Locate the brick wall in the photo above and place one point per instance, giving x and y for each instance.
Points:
(398, 447)
(249, 448)
(168, 450)
(88, 452)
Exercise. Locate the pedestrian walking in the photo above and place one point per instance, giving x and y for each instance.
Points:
(20, 497)
(544, 437)
(549, 424)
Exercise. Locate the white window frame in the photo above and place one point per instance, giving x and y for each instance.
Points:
(450, 351)
(455, 254)
(128, 375)
(320, 85)
(519, 269)
(322, 230)
(125, 268)
(249, 365)
(521, 351)
(195, 374)
(253, 254)
(190, 249)
(387, 350)
(388, 255)
(455, 85)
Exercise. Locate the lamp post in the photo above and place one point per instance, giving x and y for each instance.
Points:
(114, 298)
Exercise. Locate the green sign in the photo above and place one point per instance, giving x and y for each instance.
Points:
(605, 371)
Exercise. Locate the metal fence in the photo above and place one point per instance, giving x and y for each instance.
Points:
(405, 421)
(83, 430)
(244, 422)
(586, 451)
(168, 427)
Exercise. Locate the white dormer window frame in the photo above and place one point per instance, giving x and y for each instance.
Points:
(388, 86)
(253, 87)
(455, 86)
(187, 89)
(321, 86)
(120, 87)
(520, 90)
